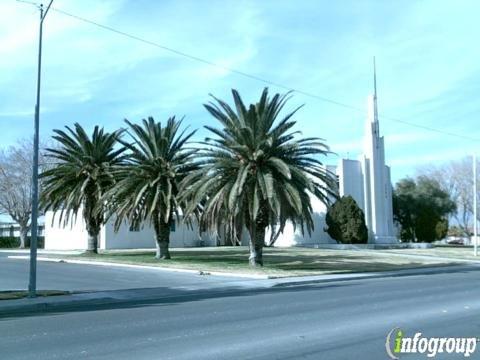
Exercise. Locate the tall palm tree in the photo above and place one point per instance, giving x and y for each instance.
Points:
(79, 176)
(257, 172)
(147, 186)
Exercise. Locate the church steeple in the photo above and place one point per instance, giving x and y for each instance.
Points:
(372, 188)
(372, 109)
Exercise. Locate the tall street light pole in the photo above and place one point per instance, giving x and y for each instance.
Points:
(32, 284)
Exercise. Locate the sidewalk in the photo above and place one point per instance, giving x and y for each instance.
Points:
(137, 297)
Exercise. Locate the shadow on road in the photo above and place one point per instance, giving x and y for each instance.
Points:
(162, 296)
(167, 296)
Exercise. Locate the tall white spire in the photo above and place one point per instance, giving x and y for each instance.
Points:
(368, 180)
(377, 187)
(372, 122)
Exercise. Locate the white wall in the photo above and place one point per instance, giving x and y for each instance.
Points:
(291, 236)
(71, 237)
(351, 181)
(389, 200)
(126, 239)
(74, 236)
(182, 236)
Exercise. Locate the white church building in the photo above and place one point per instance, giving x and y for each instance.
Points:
(367, 180)
(74, 236)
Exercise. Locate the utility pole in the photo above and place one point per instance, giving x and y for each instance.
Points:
(32, 284)
(475, 244)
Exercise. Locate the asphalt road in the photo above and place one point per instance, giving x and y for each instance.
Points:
(336, 320)
(14, 275)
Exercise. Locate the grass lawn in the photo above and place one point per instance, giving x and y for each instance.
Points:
(278, 262)
(12, 295)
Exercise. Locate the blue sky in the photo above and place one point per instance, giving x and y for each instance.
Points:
(427, 66)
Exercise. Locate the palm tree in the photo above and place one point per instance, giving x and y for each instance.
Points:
(147, 187)
(79, 176)
(257, 172)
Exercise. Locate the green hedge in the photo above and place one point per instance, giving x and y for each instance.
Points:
(40, 242)
(14, 242)
(9, 242)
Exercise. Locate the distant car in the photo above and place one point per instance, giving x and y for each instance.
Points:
(456, 242)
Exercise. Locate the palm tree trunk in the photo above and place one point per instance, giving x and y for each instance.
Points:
(93, 223)
(162, 232)
(257, 241)
(257, 229)
(92, 243)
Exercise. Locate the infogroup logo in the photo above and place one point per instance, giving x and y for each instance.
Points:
(397, 343)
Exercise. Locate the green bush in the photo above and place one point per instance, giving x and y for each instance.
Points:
(346, 222)
(9, 242)
(441, 229)
(40, 242)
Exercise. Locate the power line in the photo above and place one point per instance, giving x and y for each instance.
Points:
(465, 137)
(255, 77)
(208, 62)
(29, 2)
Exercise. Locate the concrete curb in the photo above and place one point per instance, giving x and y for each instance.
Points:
(69, 302)
(318, 279)
(132, 266)
(42, 306)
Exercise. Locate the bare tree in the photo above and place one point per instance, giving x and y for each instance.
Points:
(16, 184)
(456, 178)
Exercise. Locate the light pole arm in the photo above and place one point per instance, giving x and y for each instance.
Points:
(46, 11)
